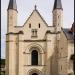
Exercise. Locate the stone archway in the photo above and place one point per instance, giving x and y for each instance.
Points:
(35, 72)
(35, 54)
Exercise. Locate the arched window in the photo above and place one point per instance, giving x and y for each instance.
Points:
(34, 57)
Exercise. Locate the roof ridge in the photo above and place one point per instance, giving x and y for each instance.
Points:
(39, 15)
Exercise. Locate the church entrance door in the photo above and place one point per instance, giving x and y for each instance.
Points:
(34, 74)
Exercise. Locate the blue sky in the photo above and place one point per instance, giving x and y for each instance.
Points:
(25, 7)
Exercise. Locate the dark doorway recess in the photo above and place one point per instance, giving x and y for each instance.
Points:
(34, 74)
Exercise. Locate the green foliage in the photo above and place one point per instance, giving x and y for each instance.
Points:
(2, 61)
(2, 73)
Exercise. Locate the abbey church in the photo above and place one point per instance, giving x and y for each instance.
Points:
(37, 48)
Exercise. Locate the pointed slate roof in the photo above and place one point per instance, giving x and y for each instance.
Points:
(57, 5)
(12, 5)
(68, 34)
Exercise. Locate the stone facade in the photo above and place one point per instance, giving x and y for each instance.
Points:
(49, 41)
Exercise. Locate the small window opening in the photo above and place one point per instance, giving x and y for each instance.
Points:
(30, 25)
(58, 16)
(58, 24)
(61, 67)
(39, 25)
(34, 32)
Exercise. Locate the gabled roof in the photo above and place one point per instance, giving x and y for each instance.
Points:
(38, 14)
(69, 35)
(12, 5)
(57, 4)
(31, 15)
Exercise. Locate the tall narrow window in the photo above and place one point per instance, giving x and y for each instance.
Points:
(35, 32)
(58, 17)
(34, 56)
(32, 32)
(61, 67)
(30, 25)
(58, 24)
(39, 25)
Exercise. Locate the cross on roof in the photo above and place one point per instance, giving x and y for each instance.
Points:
(35, 7)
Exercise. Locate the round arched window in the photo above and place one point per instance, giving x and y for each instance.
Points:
(34, 57)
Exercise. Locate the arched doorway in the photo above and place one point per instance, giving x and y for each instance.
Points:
(34, 74)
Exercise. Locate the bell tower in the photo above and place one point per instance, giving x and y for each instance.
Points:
(57, 15)
(11, 47)
(11, 16)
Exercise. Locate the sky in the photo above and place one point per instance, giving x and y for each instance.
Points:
(25, 8)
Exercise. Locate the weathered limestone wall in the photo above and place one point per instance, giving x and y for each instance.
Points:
(11, 20)
(11, 54)
(58, 19)
(63, 54)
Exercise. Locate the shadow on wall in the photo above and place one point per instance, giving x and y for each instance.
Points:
(52, 65)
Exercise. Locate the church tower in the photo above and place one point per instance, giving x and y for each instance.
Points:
(11, 46)
(57, 15)
(11, 15)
